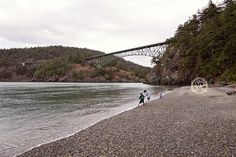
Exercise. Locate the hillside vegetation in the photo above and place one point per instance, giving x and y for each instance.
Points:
(57, 63)
(204, 46)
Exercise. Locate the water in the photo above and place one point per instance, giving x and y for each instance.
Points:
(36, 113)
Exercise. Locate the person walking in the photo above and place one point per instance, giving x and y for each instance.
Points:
(146, 95)
(141, 99)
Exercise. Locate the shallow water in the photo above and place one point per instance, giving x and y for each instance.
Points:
(36, 113)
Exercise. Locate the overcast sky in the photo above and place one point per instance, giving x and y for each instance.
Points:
(105, 25)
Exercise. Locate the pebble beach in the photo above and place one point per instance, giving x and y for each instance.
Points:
(183, 123)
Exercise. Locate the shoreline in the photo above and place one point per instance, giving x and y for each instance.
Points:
(109, 135)
(70, 134)
(64, 137)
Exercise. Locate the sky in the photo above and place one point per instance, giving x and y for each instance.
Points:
(104, 25)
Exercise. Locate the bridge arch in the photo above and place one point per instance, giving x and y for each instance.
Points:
(153, 50)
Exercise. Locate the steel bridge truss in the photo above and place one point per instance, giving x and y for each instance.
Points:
(154, 50)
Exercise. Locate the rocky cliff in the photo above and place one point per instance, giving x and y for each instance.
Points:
(204, 46)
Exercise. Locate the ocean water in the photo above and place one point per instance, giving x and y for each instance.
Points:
(35, 113)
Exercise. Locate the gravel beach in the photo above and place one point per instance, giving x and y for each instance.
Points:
(183, 123)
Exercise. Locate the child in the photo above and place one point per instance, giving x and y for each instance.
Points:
(161, 94)
(141, 98)
(147, 95)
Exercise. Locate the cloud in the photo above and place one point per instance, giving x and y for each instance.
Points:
(106, 25)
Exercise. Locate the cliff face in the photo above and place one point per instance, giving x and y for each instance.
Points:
(204, 46)
(169, 70)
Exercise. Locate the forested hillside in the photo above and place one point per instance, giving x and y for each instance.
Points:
(57, 63)
(203, 46)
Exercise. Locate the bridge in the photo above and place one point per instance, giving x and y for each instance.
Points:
(154, 50)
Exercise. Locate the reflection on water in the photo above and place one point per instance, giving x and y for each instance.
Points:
(36, 113)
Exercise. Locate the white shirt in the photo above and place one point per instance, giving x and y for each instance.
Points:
(146, 94)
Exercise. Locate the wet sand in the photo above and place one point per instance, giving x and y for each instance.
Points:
(183, 123)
